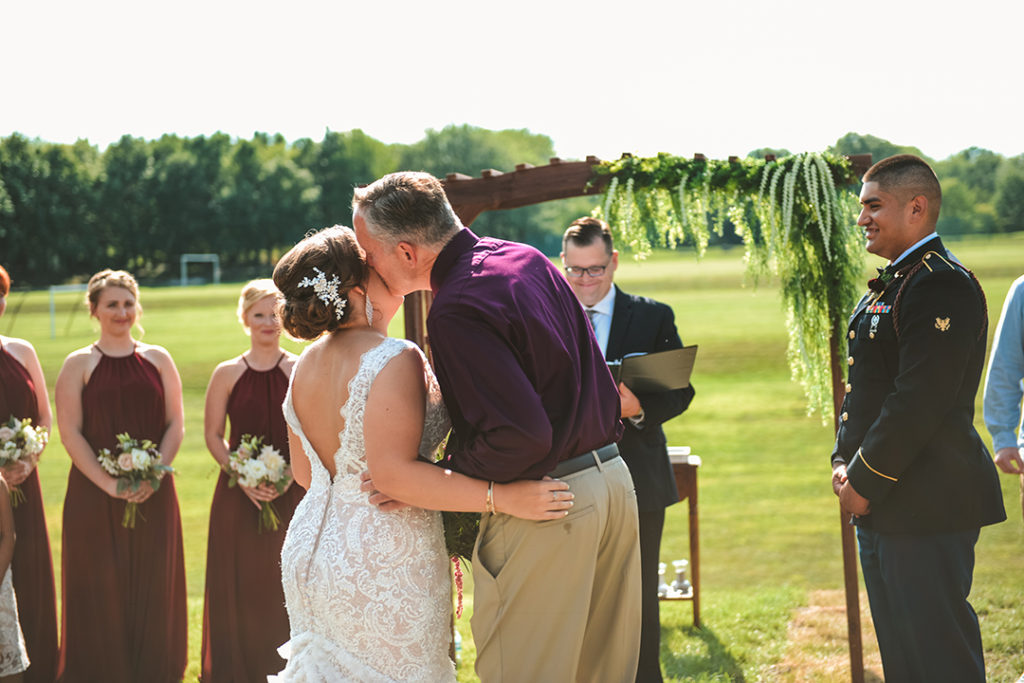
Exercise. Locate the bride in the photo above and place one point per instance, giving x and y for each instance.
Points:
(367, 589)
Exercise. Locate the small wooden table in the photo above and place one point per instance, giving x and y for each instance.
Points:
(684, 466)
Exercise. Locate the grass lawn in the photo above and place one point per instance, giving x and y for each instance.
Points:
(769, 522)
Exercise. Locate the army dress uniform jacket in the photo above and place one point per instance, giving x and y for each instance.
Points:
(906, 429)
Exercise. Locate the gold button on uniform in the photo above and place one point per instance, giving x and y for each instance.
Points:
(849, 387)
(849, 361)
(845, 417)
(852, 334)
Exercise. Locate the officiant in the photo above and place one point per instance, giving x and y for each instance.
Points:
(626, 324)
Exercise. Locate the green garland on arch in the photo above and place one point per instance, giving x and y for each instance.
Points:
(797, 222)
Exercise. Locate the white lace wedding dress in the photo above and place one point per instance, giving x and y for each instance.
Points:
(368, 592)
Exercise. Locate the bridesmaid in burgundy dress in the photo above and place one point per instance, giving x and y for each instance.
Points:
(23, 394)
(244, 618)
(124, 614)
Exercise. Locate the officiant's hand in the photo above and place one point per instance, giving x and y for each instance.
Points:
(382, 501)
(630, 403)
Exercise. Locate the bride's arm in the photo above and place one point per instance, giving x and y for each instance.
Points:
(392, 427)
(301, 469)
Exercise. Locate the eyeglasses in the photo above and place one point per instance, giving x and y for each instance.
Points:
(592, 271)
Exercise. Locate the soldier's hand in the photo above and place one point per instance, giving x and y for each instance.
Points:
(838, 477)
(853, 502)
(1009, 460)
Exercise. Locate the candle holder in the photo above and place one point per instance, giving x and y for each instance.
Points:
(681, 584)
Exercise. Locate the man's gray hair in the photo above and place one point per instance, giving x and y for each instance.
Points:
(407, 207)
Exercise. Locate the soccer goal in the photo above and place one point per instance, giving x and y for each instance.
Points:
(57, 289)
(200, 258)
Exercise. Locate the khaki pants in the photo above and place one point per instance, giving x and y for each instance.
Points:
(559, 601)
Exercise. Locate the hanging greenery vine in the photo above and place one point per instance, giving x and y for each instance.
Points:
(796, 220)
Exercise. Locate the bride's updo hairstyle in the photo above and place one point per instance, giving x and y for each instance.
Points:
(315, 277)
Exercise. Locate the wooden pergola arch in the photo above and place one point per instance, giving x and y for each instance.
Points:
(528, 185)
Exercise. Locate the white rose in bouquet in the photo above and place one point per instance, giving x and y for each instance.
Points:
(140, 459)
(273, 461)
(7, 434)
(256, 470)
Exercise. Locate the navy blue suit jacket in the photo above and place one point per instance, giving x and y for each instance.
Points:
(643, 325)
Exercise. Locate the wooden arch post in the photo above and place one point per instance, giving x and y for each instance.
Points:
(529, 185)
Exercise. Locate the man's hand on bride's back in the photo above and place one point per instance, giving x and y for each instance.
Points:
(382, 501)
(537, 500)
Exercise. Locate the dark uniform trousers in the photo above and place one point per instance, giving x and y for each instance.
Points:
(906, 434)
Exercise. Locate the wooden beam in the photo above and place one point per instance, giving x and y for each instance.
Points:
(525, 186)
(860, 163)
(529, 184)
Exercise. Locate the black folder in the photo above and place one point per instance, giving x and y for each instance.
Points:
(658, 371)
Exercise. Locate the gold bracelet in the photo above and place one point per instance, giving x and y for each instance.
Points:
(490, 497)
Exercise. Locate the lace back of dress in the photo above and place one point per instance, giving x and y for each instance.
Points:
(351, 456)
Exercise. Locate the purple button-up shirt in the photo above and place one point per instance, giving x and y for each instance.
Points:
(521, 374)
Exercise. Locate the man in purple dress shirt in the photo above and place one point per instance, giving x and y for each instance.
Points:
(529, 395)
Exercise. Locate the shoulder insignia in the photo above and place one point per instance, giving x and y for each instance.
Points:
(942, 324)
(933, 261)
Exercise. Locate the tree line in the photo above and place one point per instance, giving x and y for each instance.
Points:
(67, 210)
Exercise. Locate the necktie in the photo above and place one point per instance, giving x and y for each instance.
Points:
(590, 316)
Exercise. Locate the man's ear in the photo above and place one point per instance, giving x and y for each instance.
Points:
(918, 208)
(407, 254)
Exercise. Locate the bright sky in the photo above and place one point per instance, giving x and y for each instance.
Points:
(719, 77)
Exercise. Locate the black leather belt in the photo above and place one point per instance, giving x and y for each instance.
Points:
(582, 462)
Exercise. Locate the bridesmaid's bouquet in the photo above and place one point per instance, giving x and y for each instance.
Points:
(133, 462)
(19, 440)
(252, 464)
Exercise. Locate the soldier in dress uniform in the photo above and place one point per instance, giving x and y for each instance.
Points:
(907, 462)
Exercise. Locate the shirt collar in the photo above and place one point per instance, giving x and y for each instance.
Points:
(914, 246)
(605, 305)
(463, 241)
